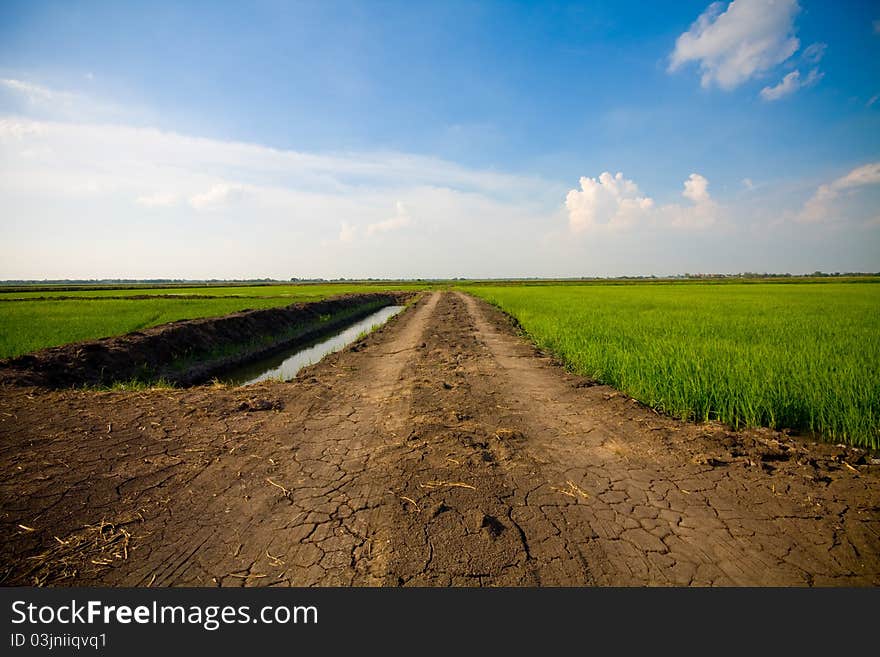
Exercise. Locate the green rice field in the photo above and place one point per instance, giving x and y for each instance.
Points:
(36, 323)
(294, 291)
(803, 357)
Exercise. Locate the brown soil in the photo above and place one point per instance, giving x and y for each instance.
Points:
(440, 450)
(193, 350)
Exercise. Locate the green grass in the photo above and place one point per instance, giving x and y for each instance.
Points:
(804, 357)
(27, 326)
(293, 292)
(186, 361)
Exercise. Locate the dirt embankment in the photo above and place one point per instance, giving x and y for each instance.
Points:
(190, 351)
(439, 450)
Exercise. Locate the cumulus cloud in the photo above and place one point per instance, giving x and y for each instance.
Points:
(606, 203)
(702, 211)
(696, 188)
(735, 44)
(789, 84)
(821, 206)
(614, 203)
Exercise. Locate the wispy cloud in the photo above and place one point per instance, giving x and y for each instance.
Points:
(821, 206)
(734, 44)
(218, 196)
(347, 232)
(790, 84)
(814, 53)
(52, 103)
(157, 200)
(400, 219)
(35, 93)
(223, 202)
(210, 172)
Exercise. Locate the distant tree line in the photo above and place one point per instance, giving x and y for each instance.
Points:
(295, 279)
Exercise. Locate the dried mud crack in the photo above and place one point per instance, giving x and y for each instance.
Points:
(440, 450)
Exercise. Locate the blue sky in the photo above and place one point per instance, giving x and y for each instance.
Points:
(408, 139)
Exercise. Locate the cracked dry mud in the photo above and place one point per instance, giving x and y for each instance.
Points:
(440, 450)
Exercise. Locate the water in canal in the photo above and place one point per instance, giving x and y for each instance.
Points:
(284, 365)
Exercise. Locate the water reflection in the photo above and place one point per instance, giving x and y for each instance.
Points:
(286, 364)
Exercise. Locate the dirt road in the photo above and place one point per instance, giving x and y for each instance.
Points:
(440, 450)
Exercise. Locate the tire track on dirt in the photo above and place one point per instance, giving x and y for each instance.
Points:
(255, 498)
(317, 520)
(661, 510)
(465, 517)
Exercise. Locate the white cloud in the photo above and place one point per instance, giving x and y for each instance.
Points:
(791, 83)
(821, 207)
(13, 130)
(873, 99)
(399, 220)
(813, 77)
(347, 232)
(35, 93)
(68, 188)
(225, 162)
(157, 200)
(217, 197)
(748, 183)
(241, 209)
(614, 203)
(696, 188)
(208, 171)
(735, 44)
(700, 214)
(605, 203)
(815, 52)
(876, 25)
(44, 101)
